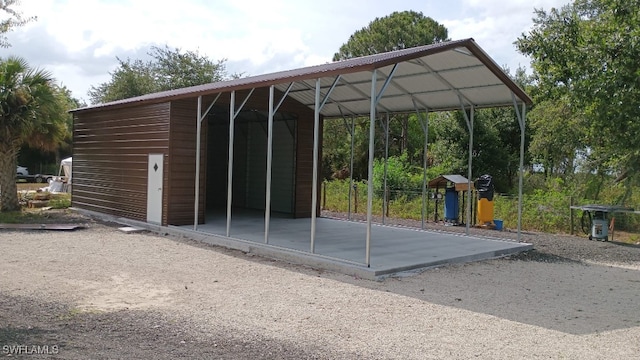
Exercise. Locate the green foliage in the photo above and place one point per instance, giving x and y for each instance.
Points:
(10, 19)
(398, 175)
(31, 111)
(588, 51)
(60, 201)
(397, 31)
(545, 205)
(169, 69)
(17, 217)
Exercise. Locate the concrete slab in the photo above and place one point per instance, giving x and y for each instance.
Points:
(393, 249)
(339, 245)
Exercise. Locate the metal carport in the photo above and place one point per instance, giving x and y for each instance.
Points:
(455, 75)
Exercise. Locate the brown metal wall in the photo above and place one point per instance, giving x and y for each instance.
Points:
(110, 155)
(182, 163)
(111, 148)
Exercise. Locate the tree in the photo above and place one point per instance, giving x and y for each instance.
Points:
(31, 112)
(588, 51)
(397, 31)
(558, 136)
(11, 19)
(169, 69)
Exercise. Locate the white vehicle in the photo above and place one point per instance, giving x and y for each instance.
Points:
(21, 170)
(62, 182)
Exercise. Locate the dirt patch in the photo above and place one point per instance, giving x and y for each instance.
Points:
(99, 293)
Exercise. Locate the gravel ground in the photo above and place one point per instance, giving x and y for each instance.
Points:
(99, 293)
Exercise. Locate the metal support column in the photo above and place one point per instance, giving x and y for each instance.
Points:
(522, 123)
(424, 124)
(267, 206)
(201, 116)
(196, 198)
(468, 219)
(316, 134)
(372, 133)
(314, 181)
(351, 167)
(233, 113)
(386, 165)
(232, 122)
(469, 119)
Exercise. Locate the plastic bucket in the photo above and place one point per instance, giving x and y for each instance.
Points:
(498, 224)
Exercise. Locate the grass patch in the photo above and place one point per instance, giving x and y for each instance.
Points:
(60, 201)
(19, 217)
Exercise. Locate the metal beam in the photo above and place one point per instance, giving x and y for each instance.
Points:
(372, 133)
(424, 122)
(201, 116)
(444, 81)
(386, 83)
(364, 96)
(232, 118)
(284, 96)
(338, 103)
(243, 103)
(470, 164)
(333, 86)
(316, 140)
(351, 166)
(314, 181)
(196, 197)
(386, 164)
(521, 122)
(267, 206)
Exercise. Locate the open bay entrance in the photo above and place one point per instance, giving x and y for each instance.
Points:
(250, 161)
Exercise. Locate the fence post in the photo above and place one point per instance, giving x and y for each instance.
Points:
(355, 197)
(387, 196)
(571, 214)
(324, 195)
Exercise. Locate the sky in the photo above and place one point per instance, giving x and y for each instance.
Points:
(78, 40)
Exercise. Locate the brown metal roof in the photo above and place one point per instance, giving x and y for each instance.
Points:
(438, 77)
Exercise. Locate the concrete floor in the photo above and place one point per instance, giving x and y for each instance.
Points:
(340, 245)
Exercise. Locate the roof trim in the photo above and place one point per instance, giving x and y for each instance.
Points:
(349, 66)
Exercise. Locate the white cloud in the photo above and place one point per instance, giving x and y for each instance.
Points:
(80, 39)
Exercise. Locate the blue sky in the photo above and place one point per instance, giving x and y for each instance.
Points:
(79, 40)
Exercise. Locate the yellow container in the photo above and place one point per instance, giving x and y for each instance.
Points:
(485, 211)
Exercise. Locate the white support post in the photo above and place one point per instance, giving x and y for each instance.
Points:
(232, 117)
(386, 164)
(351, 167)
(521, 175)
(468, 216)
(314, 185)
(522, 122)
(425, 128)
(372, 130)
(196, 200)
(267, 206)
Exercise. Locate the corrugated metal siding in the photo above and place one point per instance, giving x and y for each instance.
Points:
(182, 163)
(110, 154)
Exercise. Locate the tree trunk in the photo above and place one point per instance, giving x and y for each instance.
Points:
(8, 188)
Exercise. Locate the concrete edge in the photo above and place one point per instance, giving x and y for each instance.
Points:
(265, 250)
(302, 258)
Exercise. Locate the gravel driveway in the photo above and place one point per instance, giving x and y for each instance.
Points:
(99, 293)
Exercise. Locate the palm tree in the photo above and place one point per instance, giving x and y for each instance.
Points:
(30, 112)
